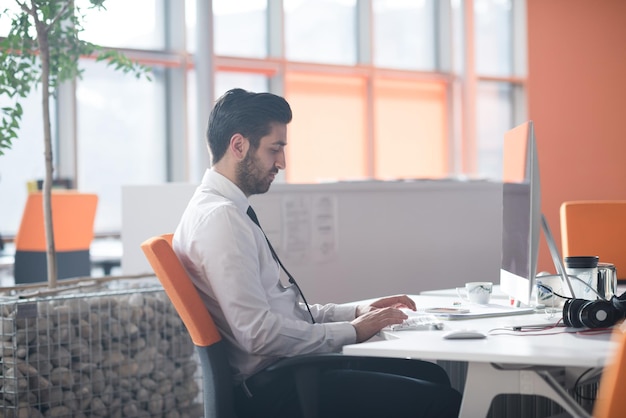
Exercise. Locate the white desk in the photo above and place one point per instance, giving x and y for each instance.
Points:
(499, 364)
(497, 295)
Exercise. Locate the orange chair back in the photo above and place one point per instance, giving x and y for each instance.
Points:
(181, 290)
(73, 216)
(595, 227)
(611, 402)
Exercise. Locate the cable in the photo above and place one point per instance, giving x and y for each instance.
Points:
(548, 289)
(577, 385)
(570, 277)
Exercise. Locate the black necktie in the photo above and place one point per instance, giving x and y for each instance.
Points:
(254, 218)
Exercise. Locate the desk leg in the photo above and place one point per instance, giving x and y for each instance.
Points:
(560, 395)
(484, 382)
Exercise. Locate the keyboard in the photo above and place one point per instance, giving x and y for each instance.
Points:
(418, 323)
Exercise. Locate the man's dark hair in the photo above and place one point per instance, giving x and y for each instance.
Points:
(247, 113)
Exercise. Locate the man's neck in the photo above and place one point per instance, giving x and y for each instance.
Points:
(230, 174)
(225, 171)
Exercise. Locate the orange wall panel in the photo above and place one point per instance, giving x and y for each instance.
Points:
(576, 93)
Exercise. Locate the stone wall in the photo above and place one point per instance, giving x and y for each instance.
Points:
(104, 354)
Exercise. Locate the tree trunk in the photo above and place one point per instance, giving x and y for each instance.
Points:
(44, 47)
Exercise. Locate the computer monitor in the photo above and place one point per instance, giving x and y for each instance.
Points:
(521, 213)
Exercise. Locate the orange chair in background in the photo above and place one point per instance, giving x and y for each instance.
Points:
(595, 227)
(73, 216)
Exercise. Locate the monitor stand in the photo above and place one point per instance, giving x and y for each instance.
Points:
(556, 255)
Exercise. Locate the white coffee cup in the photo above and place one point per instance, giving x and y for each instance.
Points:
(476, 292)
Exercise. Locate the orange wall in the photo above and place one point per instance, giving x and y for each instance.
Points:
(577, 100)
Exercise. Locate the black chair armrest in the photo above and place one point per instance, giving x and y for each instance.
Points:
(316, 360)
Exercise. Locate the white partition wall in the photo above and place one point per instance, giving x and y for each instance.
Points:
(352, 240)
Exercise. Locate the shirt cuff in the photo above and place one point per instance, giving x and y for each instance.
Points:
(344, 312)
(341, 333)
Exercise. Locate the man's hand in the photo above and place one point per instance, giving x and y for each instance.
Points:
(369, 323)
(398, 301)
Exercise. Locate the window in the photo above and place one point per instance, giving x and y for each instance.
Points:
(22, 163)
(495, 116)
(380, 89)
(411, 129)
(125, 24)
(240, 28)
(494, 37)
(225, 80)
(499, 92)
(328, 127)
(321, 31)
(404, 34)
(121, 136)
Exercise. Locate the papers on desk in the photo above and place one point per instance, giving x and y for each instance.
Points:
(482, 311)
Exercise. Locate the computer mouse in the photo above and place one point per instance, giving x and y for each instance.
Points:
(464, 334)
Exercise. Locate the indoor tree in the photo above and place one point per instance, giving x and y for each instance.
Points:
(43, 48)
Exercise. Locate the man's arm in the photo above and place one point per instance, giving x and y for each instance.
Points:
(372, 317)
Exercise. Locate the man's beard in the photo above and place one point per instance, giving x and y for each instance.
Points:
(250, 178)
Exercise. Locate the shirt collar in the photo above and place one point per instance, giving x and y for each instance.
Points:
(223, 186)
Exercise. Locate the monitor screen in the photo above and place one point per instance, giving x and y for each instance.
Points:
(521, 213)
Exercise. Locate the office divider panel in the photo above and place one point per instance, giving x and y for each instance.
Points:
(352, 240)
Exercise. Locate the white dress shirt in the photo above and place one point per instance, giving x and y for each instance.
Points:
(228, 259)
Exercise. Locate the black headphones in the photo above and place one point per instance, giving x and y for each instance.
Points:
(583, 313)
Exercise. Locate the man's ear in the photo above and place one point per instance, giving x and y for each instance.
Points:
(239, 146)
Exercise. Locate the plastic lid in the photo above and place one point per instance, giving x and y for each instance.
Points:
(582, 262)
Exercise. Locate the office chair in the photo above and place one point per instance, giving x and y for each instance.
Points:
(595, 227)
(73, 216)
(217, 379)
(611, 402)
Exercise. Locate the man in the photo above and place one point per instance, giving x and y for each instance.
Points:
(237, 273)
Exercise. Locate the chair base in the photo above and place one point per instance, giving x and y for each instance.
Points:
(31, 266)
